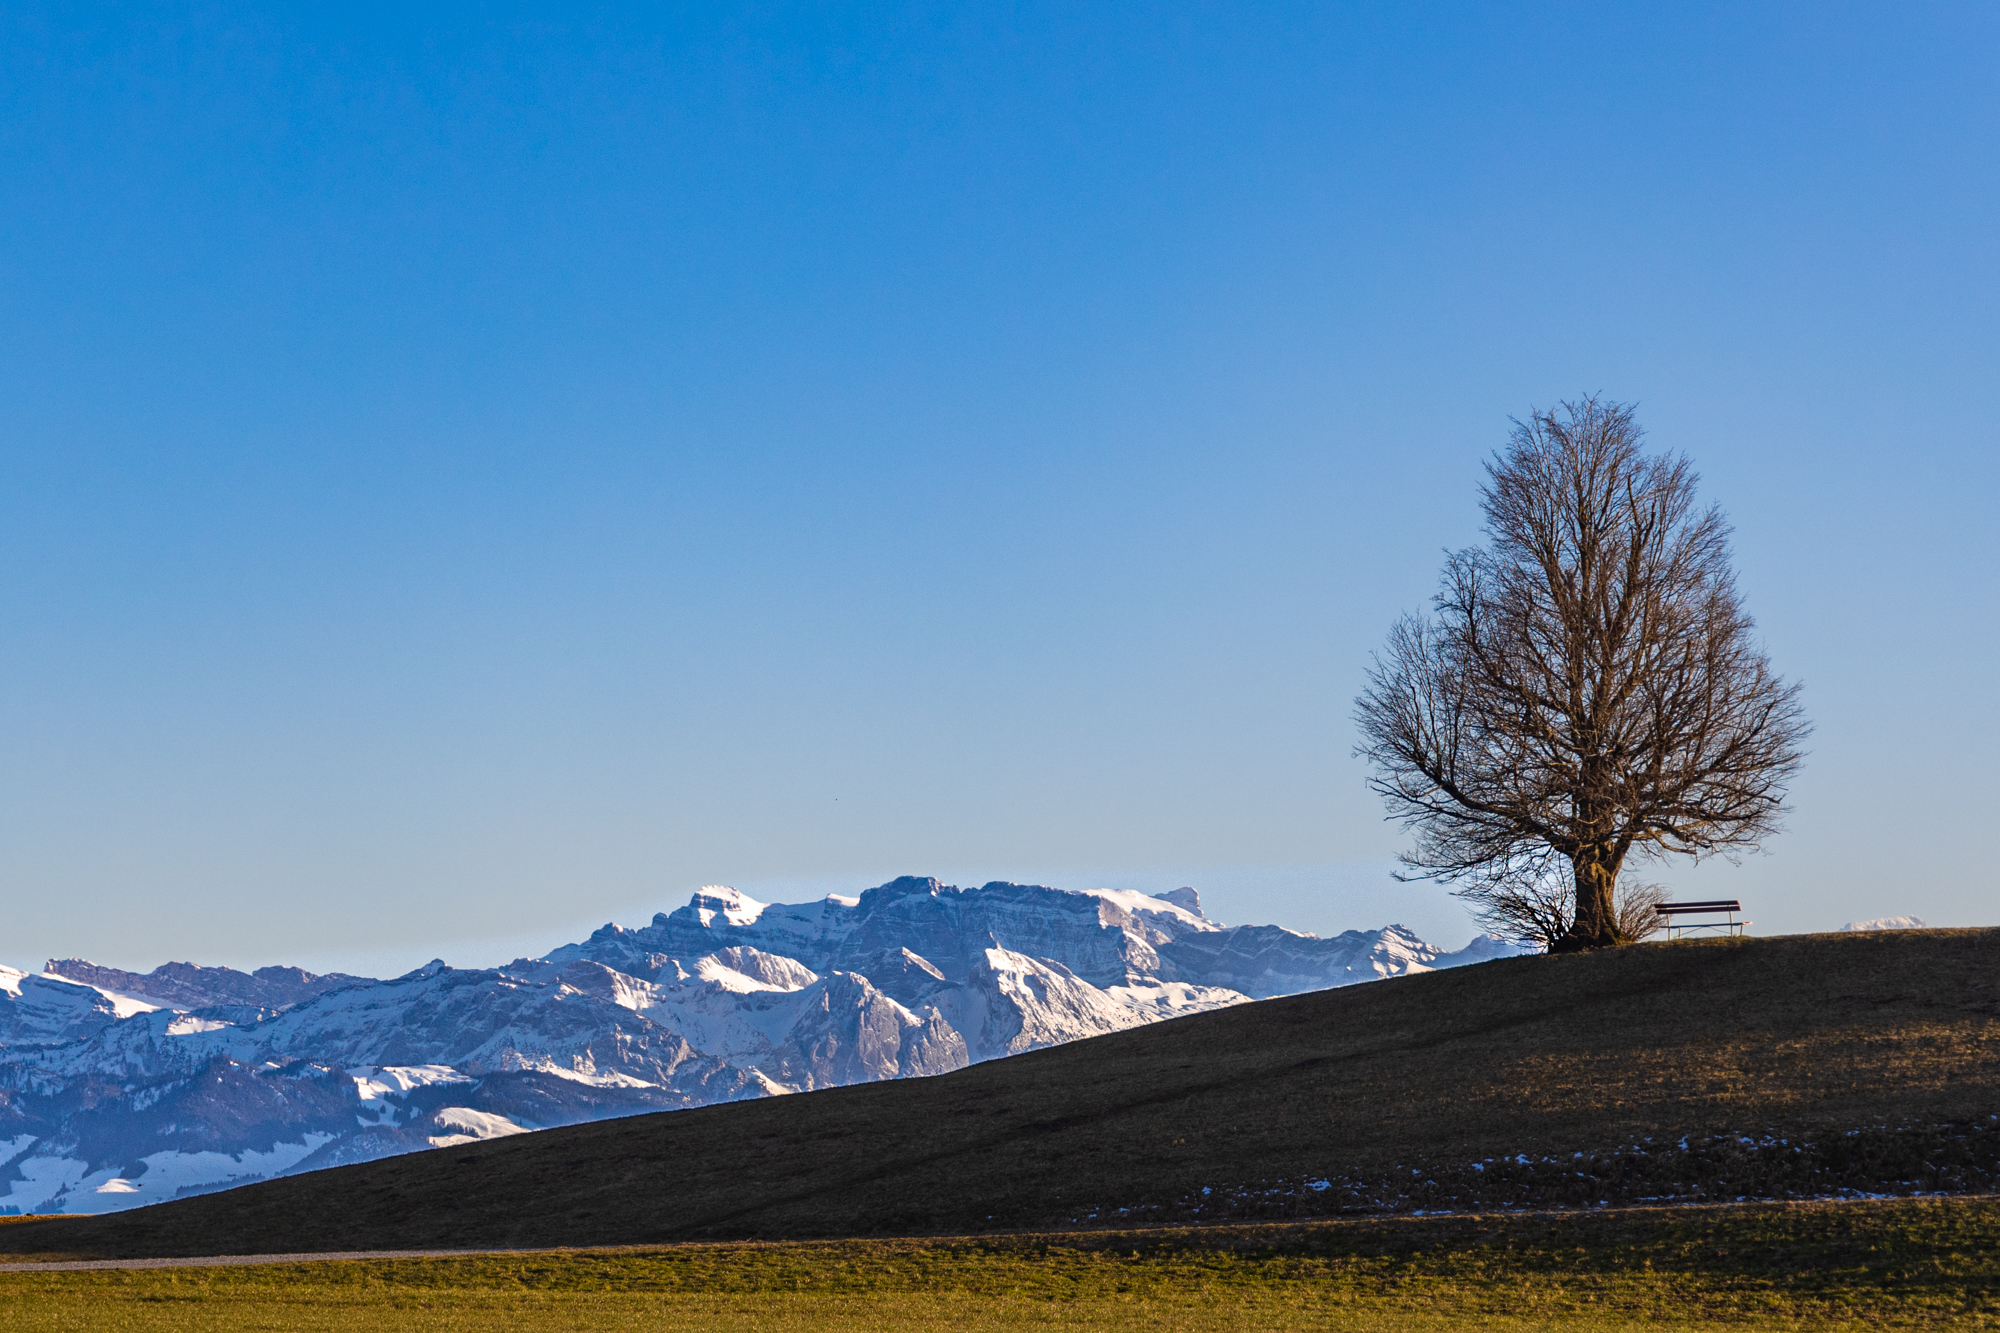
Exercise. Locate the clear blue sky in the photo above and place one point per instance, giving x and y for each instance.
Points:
(469, 475)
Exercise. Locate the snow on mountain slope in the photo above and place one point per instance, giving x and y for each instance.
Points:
(1264, 961)
(41, 1010)
(59, 1184)
(465, 1125)
(1888, 923)
(745, 969)
(1012, 1003)
(1175, 915)
(821, 1032)
(1093, 936)
(121, 1088)
(187, 986)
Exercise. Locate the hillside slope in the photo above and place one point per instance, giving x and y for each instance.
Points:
(120, 1089)
(1803, 1038)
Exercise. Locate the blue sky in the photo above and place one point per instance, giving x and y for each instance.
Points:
(471, 474)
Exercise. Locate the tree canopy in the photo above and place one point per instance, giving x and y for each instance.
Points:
(1586, 689)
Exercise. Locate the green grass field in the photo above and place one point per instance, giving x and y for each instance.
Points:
(1914, 1263)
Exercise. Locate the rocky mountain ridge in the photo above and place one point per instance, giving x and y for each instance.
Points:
(121, 1088)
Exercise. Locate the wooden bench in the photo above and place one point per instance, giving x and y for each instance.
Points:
(1724, 907)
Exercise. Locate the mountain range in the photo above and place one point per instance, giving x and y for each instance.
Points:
(120, 1088)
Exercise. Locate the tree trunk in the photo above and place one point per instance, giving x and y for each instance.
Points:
(1596, 922)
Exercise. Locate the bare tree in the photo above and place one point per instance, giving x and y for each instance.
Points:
(1586, 689)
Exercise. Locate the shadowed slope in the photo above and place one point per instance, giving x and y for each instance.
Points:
(1526, 1055)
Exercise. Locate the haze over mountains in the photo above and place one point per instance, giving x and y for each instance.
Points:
(121, 1088)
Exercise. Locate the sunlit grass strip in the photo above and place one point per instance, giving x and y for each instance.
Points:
(1916, 1262)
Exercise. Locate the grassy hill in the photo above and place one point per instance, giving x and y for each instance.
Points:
(1689, 1070)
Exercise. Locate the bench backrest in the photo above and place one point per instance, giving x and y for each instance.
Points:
(1719, 905)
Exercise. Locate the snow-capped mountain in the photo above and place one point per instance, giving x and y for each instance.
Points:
(121, 1088)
